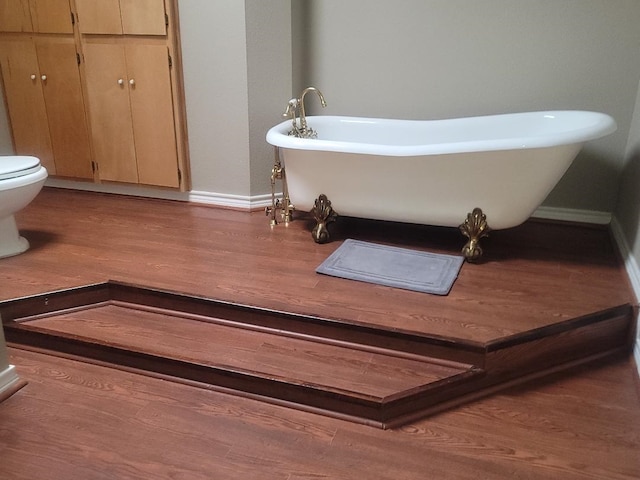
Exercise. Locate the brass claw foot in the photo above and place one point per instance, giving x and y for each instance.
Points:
(474, 228)
(323, 214)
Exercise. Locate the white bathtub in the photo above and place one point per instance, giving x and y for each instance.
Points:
(435, 172)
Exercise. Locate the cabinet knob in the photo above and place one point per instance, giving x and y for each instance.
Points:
(132, 82)
(120, 81)
(33, 76)
(43, 78)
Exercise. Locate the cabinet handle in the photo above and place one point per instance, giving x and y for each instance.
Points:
(33, 76)
(43, 78)
(132, 82)
(120, 81)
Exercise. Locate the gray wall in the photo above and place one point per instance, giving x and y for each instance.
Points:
(269, 80)
(427, 59)
(215, 75)
(628, 207)
(237, 71)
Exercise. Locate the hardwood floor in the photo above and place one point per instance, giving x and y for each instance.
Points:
(75, 420)
(533, 276)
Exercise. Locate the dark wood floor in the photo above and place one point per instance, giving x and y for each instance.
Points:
(75, 420)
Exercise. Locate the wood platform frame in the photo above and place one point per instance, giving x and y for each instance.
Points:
(477, 369)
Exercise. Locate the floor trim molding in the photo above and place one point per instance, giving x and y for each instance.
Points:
(573, 215)
(225, 200)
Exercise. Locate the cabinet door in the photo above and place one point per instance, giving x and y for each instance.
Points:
(25, 101)
(115, 17)
(51, 16)
(110, 112)
(65, 107)
(15, 16)
(143, 17)
(152, 112)
(99, 16)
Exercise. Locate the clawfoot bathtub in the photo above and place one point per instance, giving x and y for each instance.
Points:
(478, 173)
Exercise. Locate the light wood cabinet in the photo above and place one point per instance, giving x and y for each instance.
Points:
(45, 104)
(110, 113)
(51, 16)
(129, 92)
(122, 17)
(25, 100)
(152, 114)
(40, 16)
(62, 88)
(15, 16)
(96, 93)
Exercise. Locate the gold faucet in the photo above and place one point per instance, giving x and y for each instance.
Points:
(300, 128)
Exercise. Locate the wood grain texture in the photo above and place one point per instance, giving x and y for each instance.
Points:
(284, 358)
(75, 420)
(533, 276)
(238, 349)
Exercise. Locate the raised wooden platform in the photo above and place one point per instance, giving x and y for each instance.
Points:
(373, 375)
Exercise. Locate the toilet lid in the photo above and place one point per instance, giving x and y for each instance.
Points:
(17, 166)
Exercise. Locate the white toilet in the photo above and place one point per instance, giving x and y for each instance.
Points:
(21, 179)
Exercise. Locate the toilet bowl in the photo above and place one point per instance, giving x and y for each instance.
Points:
(21, 179)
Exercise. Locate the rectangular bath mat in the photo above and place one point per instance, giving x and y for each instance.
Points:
(393, 266)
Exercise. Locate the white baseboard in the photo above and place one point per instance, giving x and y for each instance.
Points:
(240, 202)
(8, 380)
(573, 215)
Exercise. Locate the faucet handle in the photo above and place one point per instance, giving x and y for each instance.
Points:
(290, 112)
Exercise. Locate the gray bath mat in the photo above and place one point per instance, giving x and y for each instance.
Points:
(393, 267)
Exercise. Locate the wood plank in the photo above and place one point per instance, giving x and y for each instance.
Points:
(303, 361)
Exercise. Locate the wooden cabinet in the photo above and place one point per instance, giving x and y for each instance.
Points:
(96, 93)
(62, 88)
(118, 17)
(25, 100)
(41, 16)
(15, 16)
(129, 92)
(51, 16)
(152, 114)
(45, 104)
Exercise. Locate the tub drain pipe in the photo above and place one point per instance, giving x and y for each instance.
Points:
(282, 209)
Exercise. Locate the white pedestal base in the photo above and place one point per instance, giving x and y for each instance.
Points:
(10, 382)
(11, 243)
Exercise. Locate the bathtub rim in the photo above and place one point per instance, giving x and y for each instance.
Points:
(597, 125)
